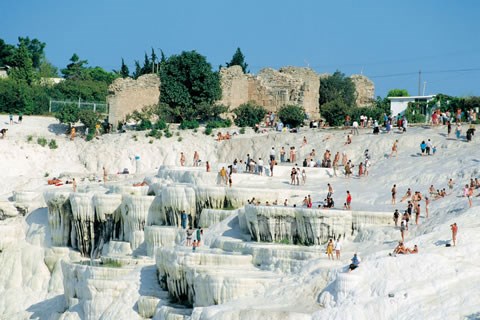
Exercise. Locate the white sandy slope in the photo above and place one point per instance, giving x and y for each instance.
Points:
(438, 283)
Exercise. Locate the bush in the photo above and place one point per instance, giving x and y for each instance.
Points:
(292, 115)
(371, 112)
(144, 124)
(167, 132)
(219, 123)
(242, 130)
(334, 112)
(30, 138)
(89, 118)
(160, 125)
(90, 136)
(189, 124)
(42, 141)
(249, 114)
(413, 113)
(208, 131)
(68, 114)
(179, 139)
(53, 144)
(155, 133)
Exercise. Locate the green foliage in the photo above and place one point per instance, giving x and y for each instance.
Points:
(90, 136)
(179, 139)
(53, 144)
(242, 130)
(292, 115)
(249, 114)
(42, 141)
(398, 93)
(87, 90)
(20, 97)
(75, 69)
(189, 124)
(334, 112)
(47, 70)
(413, 113)
(29, 138)
(6, 53)
(337, 86)
(46, 174)
(35, 50)
(160, 125)
(144, 124)
(89, 118)
(167, 132)
(284, 241)
(124, 72)
(111, 264)
(155, 133)
(208, 131)
(22, 66)
(227, 123)
(371, 112)
(68, 114)
(187, 82)
(238, 59)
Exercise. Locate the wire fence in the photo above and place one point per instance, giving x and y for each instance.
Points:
(57, 105)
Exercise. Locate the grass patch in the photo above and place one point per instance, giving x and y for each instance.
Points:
(112, 264)
(30, 138)
(53, 144)
(42, 141)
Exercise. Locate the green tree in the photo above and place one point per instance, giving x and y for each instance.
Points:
(6, 53)
(187, 80)
(335, 111)
(124, 72)
(22, 66)
(292, 115)
(138, 70)
(75, 70)
(89, 118)
(398, 93)
(87, 90)
(99, 74)
(337, 86)
(47, 70)
(238, 59)
(35, 50)
(249, 114)
(68, 114)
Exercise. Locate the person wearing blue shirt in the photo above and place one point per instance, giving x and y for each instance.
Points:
(355, 263)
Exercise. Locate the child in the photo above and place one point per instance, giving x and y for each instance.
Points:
(194, 245)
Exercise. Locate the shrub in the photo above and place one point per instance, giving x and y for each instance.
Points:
(46, 174)
(150, 141)
(89, 118)
(292, 115)
(413, 113)
(155, 133)
(144, 124)
(374, 112)
(334, 112)
(167, 132)
(221, 123)
(179, 139)
(68, 114)
(189, 124)
(42, 141)
(242, 130)
(53, 144)
(30, 138)
(160, 125)
(90, 136)
(249, 114)
(208, 131)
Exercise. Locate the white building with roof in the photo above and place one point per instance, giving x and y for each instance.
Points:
(398, 105)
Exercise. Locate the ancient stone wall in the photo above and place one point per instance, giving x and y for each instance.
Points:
(271, 89)
(365, 90)
(128, 95)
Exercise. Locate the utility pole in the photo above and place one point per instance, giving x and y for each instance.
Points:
(419, 80)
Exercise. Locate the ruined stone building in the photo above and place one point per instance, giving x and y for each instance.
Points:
(270, 88)
(127, 95)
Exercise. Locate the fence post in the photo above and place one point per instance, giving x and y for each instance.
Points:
(50, 106)
(94, 107)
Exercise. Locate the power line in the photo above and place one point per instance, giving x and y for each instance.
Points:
(427, 72)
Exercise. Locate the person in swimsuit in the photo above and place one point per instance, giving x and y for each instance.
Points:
(394, 193)
(330, 249)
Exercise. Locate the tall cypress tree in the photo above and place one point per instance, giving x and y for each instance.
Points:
(238, 59)
(124, 72)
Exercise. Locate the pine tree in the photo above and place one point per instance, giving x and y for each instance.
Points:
(22, 66)
(124, 72)
(238, 59)
(138, 70)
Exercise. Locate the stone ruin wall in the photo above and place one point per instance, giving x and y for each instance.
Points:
(271, 89)
(365, 90)
(127, 95)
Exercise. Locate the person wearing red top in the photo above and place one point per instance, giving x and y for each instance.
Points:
(349, 199)
(454, 228)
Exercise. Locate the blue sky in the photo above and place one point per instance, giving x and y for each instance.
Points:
(389, 41)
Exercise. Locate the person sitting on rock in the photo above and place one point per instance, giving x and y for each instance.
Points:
(355, 263)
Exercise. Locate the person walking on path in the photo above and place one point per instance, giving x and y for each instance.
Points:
(394, 149)
(10, 116)
(182, 159)
(394, 194)
(454, 229)
(74, 185)
(338, 247)
(196, 159)
(330, 249)
(72, 133)
(348, 200)
(396, 215)
(105, 175)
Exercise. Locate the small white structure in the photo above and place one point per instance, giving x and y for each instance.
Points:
(3, 72)
(398, 105)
